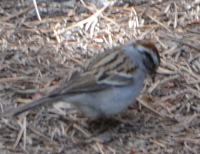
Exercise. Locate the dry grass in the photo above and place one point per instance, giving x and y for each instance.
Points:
(35, 55)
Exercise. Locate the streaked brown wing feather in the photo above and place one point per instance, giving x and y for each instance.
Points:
(80, 84)
(105, 71)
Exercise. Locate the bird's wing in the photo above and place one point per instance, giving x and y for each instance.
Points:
(106, 72)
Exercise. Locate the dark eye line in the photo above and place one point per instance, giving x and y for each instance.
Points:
(148, 55)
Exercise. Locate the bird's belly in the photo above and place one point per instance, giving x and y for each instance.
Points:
(104, 103)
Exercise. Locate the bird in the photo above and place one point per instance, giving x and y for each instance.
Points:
(108, 84)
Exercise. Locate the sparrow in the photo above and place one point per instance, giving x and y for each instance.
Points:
(108, 84)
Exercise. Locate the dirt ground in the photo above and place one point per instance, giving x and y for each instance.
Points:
(36, 55)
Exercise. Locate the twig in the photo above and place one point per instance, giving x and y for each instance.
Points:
(165, 80)
(24, 134)
(36, 9)
(17, 14)
(92, 17)
(184, 42)
(175, 15)
(158, 22)
(40, 134)
(86, 133)
(149, 107)
(23, 127)
(194, 92)
(13, 79)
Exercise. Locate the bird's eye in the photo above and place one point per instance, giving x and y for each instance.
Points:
(148, 61)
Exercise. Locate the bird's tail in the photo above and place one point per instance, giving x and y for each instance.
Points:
(32, 105)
